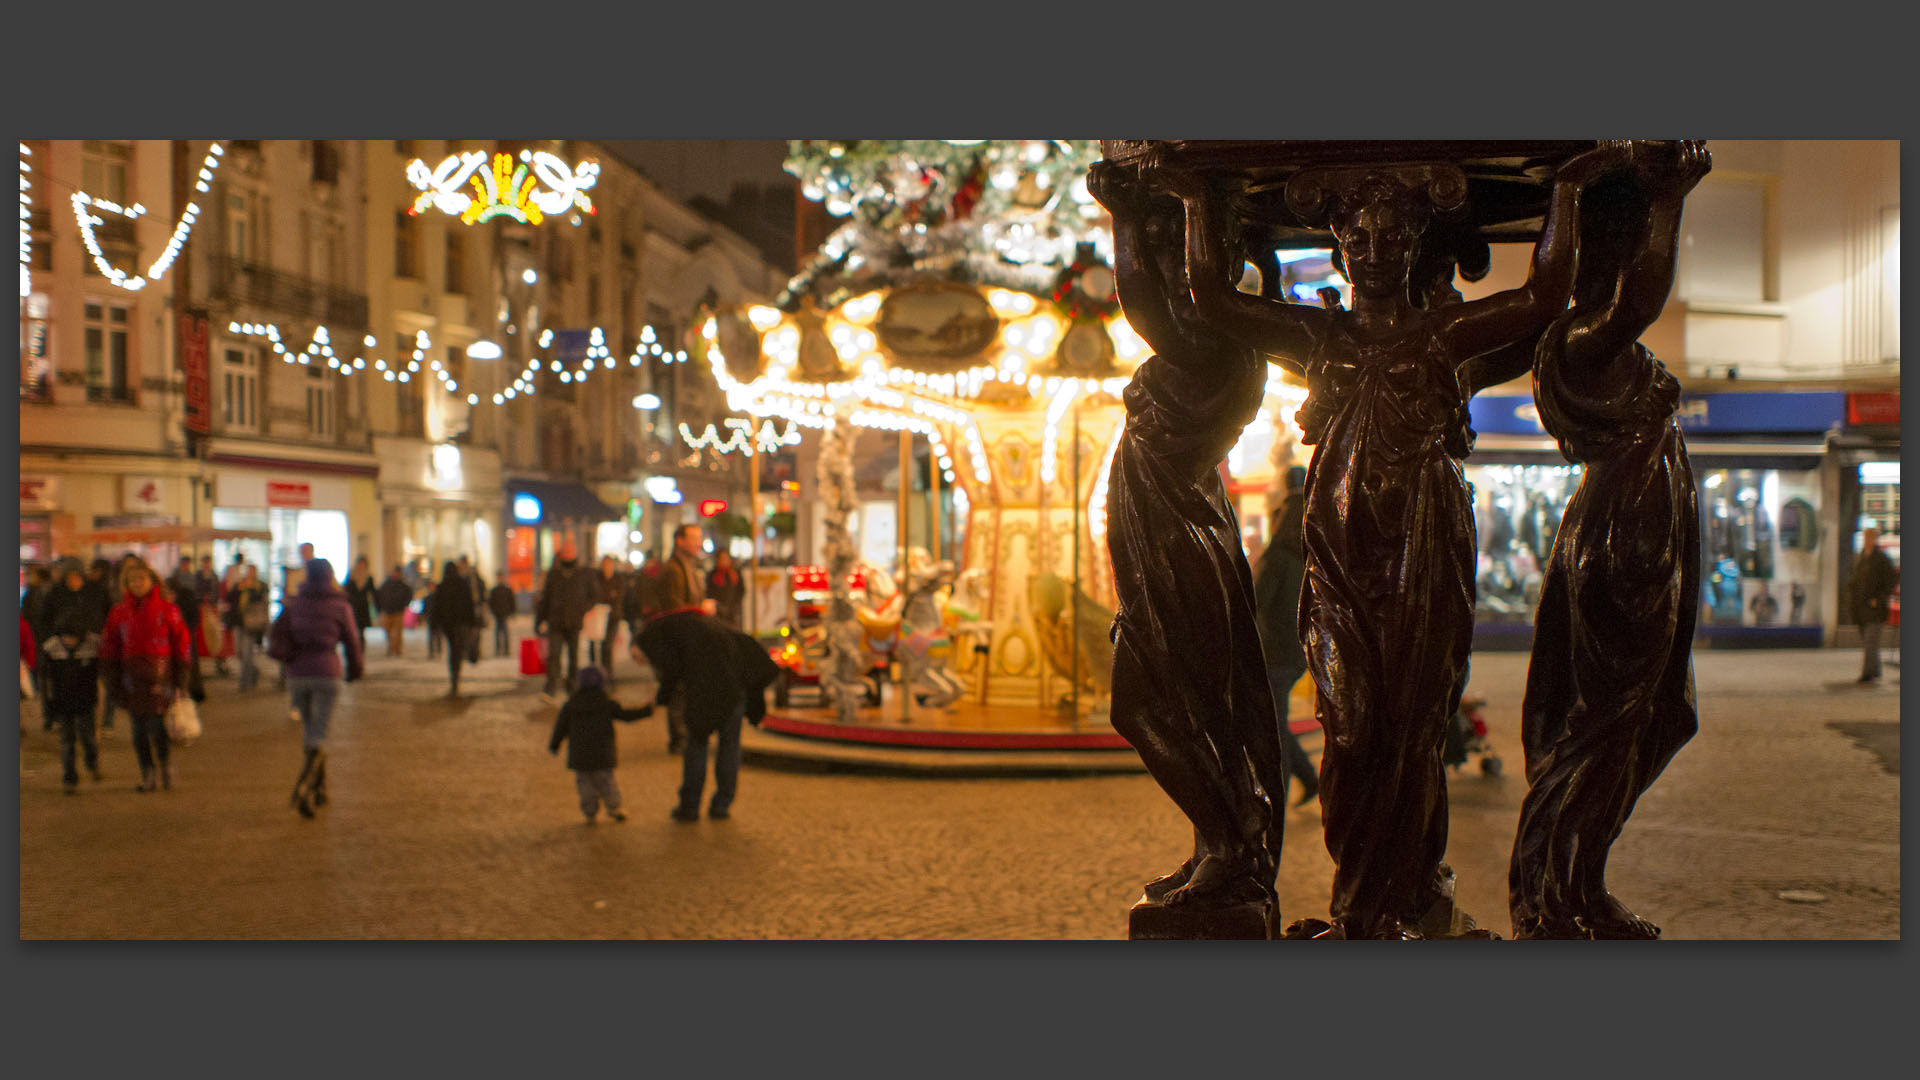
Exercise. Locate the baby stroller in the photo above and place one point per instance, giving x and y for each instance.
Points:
(1467, 735)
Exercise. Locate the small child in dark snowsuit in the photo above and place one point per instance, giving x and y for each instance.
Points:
(586, 724)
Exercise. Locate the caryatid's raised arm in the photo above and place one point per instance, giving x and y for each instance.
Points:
(1481, 326)
(1665, 175)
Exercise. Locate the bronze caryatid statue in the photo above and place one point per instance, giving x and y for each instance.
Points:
(1609, 696)
(1189, 689)
(1387, 610)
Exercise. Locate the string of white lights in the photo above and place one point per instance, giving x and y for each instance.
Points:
(82, 202)
(744, 438)
(26, 223)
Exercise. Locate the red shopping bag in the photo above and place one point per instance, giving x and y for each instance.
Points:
(533, 656)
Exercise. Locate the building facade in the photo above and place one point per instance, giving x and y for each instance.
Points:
(361, 373)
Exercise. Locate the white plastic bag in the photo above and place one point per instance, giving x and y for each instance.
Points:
(183, 720)
(594, 626)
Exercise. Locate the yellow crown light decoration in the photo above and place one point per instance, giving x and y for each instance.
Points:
(528, 190)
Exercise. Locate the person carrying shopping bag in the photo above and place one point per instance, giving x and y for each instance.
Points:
(144, 658)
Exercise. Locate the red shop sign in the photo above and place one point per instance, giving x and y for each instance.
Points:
(285, 494)
(193, 361)
(1880, 408)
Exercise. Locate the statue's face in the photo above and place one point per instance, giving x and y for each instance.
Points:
(1378, 244)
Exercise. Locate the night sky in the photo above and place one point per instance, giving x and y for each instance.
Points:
(710, 167)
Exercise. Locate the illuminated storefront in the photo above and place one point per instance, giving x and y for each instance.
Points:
(1762, 465)
(540, 518)
(439, 501)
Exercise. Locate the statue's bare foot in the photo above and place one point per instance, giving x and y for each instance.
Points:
(1219, 882)
(1607, 919)
(1159, 887)
(1549, 928)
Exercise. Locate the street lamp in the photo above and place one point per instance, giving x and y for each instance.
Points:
(646, 401)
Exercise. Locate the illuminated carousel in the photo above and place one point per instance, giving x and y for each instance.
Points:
(969, 302)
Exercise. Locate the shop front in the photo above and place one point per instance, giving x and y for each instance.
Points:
(1866, 459)
(331, 505)
(439, 502)
(1760, 463)
(65, 498)
(540, 518)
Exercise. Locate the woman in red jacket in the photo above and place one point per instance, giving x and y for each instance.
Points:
(143, 655)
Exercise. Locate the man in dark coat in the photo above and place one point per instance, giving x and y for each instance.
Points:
(392, 598)
(1276, 596)
(559, 613)
(472, 575)
(1872, 583)
(721, 677)
(456, 616)
(501, 604)
(585, 724)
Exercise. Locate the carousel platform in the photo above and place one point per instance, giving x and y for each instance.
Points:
(967, 739)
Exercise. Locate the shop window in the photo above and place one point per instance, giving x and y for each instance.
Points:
(240, 388)
(103, 169)
(108, 376)
(1759, 532)
(1517, 511)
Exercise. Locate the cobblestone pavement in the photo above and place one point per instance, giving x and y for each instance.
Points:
(450, 821)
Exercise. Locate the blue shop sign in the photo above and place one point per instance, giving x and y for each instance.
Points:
(1733, 413)
(526, 508)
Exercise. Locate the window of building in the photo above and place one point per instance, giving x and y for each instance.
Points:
(410, 404)
(103, 169)
(108, 375)
(1724, 242)
(322, 404)
(323, 250)
(406, 246)
(456, 261)
(239, 228)
(240, 388)
(404, 147)
(36, 359)
(326, 162)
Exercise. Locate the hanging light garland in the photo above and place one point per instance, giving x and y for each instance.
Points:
(84, 205)
(744, 439)
(26, 223)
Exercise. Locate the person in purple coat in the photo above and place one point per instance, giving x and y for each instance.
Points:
(313, 627)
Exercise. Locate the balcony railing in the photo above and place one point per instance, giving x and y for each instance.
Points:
(276, 290)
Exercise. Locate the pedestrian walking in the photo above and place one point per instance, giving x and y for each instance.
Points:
(393, 597)
(313, 629)
(33, 608)
(610, 592)
(471, 574)
(559, 613)
(684, 588)
(183, 588)
(726, 589)
(585, 724)
(501, 603)
(359, 589)
(1276, 596)
(720, 676)
(454, 614)
(101, 594)
(1872, 583)
(144, 656)
(70, 657)
(206, 586)
(247, 612)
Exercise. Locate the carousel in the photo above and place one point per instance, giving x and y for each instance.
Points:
(964, 317)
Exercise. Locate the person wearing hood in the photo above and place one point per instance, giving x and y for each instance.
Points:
(70, 659)
(560, 612)
(454, 616)
(585, 724)
(143, 655)
(315, 624)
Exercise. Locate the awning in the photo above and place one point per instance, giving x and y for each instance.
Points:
(557, 502)
(163, 534)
